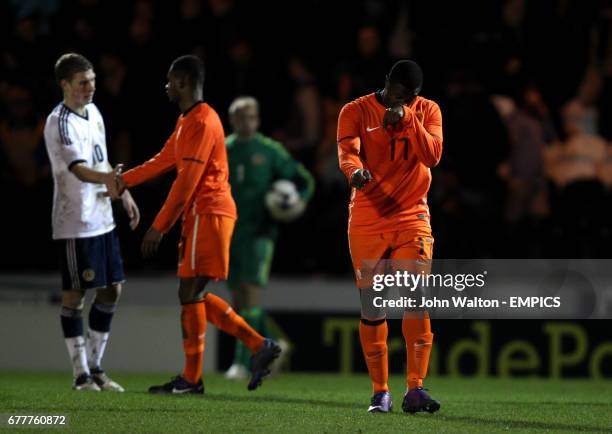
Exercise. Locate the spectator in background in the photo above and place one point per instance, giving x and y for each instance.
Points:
(606, 178)
(144, 60)
(241, 73)
(401, 37)
(111, 97)
(25, 56)
(574, 166)
(361, 74)
(302, 130)
(526, 203)
(601, 55)
(21, 134)
(502, 44)
(583, 107)
(535, 107)
(468, 195)
(83, 25)
(190, 25)
(24, 172)
(331, 186)
(111, 90)
(226, 44)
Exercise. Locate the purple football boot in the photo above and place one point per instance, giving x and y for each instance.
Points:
(417, 399)
(261, 361)
(381, 403)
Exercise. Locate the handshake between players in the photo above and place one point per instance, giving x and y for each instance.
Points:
(115, 185)
(115, 189)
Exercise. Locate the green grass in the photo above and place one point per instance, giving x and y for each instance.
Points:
(312, 403)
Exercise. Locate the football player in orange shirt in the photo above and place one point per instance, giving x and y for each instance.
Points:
(201, 194)
(387, 143)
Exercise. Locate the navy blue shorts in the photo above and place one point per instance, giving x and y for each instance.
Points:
(91, 263)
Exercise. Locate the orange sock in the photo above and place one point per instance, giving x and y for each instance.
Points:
(373, 336)
(416, 328)
(224, 318)
(193, 321)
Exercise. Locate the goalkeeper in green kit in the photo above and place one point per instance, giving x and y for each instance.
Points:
(268, 186)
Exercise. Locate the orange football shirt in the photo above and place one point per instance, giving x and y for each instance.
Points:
(196, 149)
(398, 158)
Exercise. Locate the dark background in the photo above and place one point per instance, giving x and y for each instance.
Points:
(482, 357)
(493, 194)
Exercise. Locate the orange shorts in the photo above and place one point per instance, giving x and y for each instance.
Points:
(409, 250)
(205, 245)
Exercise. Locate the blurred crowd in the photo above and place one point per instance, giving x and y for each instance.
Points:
(525, 90)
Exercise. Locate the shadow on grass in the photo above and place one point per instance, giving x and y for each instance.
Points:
(524, 424)
(216, 397)
(351, 405)
(535, 403)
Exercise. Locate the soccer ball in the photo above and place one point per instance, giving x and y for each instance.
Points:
(284, 202)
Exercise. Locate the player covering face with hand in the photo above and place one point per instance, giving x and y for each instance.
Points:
(200, 195)
(387, 143)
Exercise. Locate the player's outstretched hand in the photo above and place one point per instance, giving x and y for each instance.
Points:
(121, 184)
(393, 115)
(129, 204)
(360, 178)
(110, 181)
(150, 243)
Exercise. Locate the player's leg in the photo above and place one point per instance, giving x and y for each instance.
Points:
(366, 251)
(73, 256)
(413, 252)
(72, 326)
(100, 318)
(257, 281)
(207, 254)
(192, 266)
(204, 251)
(105, 252)
(193, 326)
(250, 272)
(212, 259)
(263, 351)
(245, 301)
(239, 260)
(193, 323)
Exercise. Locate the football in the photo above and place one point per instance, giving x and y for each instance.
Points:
(284, 202)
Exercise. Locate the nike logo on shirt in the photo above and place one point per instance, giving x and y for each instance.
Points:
(369, 130)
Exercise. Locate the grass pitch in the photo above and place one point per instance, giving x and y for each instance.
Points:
(309, 403)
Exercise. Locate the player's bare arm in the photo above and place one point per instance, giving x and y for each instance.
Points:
(130, 207)
(121, 184)
(86, 174)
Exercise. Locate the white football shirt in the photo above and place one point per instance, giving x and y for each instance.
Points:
(80, 209)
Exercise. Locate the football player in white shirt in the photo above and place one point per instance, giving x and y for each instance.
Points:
(83, 224)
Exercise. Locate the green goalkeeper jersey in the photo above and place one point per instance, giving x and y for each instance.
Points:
(254, 166)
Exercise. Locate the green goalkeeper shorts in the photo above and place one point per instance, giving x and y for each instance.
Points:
(250, 261)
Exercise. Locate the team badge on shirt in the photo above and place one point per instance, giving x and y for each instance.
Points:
(258, 159)
(89, 275)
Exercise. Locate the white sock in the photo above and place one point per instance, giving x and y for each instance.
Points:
(96, 344)
(78, 356)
